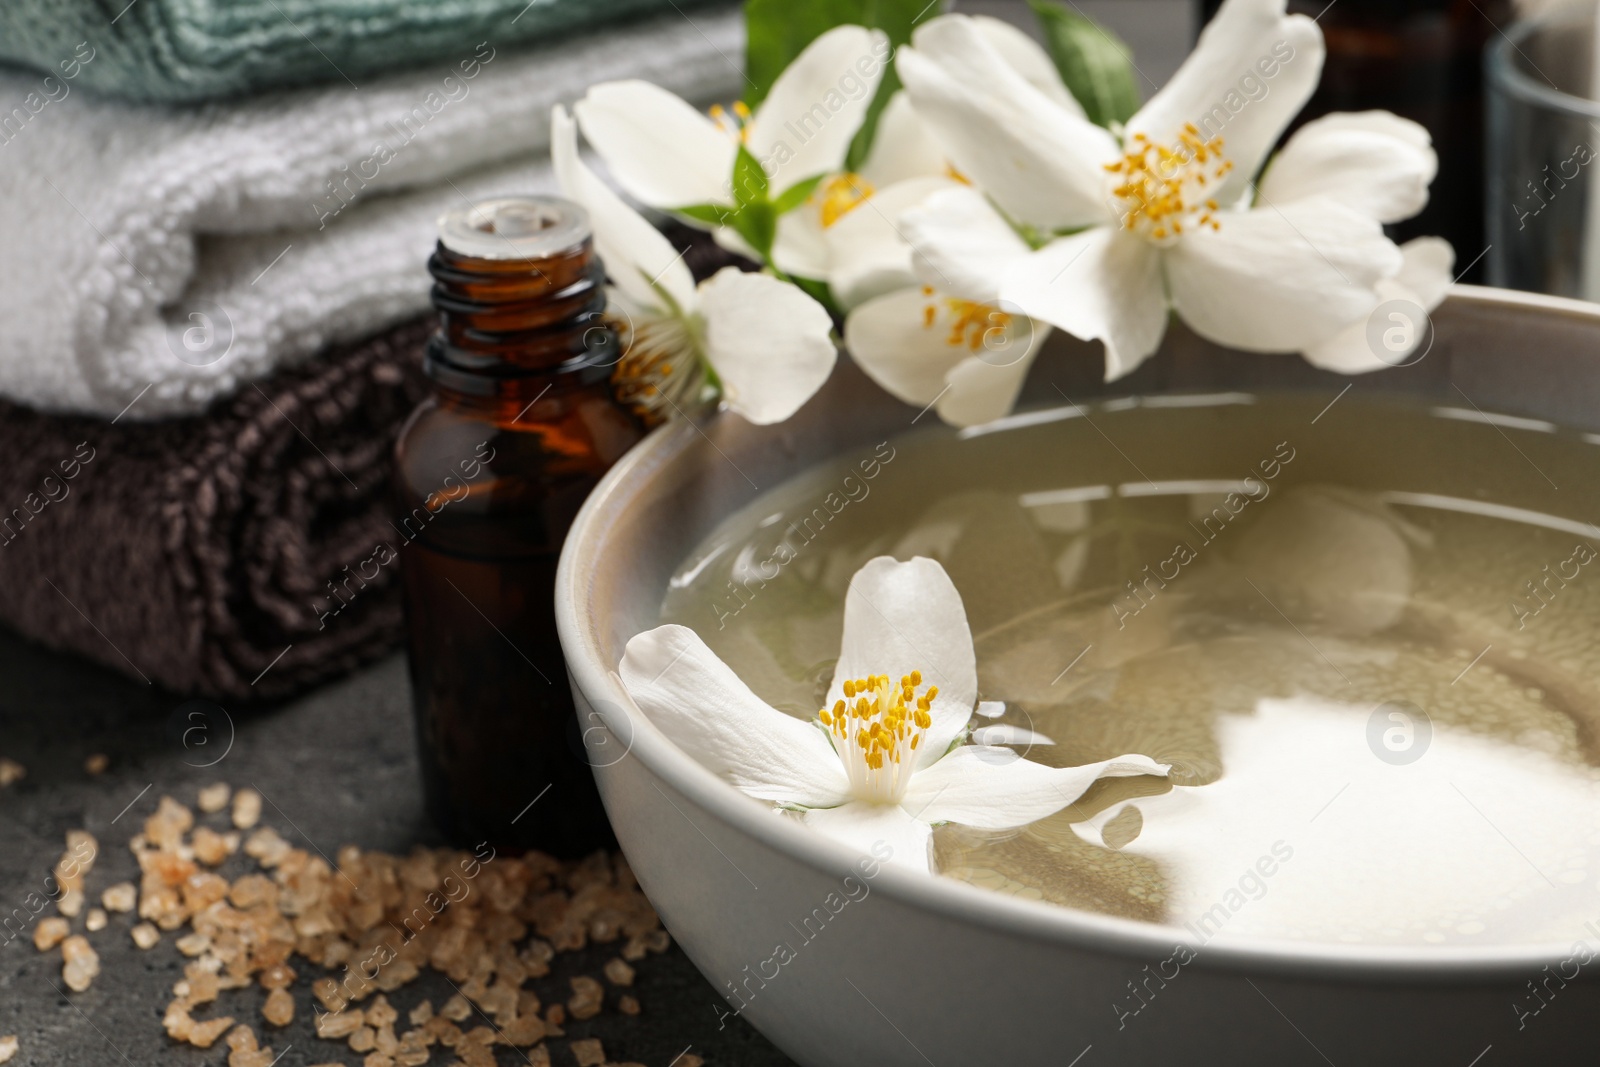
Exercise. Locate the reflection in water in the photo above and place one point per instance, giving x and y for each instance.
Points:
(1505, 833)
(1332, 557)
(1316, 624)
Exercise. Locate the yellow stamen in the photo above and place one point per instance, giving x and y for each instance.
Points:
(970, 325)
(841, 195)
(1159, 187)
(874, 735)
(653, 376)
(736, 123)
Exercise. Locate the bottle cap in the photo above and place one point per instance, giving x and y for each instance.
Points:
(514, 227)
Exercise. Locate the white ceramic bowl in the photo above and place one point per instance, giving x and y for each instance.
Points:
(911, 970)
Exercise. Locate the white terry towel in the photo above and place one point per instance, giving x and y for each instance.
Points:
(153, 259)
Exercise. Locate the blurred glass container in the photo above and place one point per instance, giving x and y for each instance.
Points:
(1542, 211)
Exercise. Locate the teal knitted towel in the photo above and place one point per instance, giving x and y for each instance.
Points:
(190, 50)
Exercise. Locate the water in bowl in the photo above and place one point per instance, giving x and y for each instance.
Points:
(1366, 636)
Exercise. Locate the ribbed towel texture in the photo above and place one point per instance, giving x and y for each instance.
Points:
(157, 259)
(191, 50)
(249, 552)
(233, 555)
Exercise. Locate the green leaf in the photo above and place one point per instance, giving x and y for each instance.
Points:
(776, 31)
(1096, 67)
(757, 223)
(749, 179)
(795, 195)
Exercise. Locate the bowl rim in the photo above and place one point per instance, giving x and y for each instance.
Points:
(959, 901)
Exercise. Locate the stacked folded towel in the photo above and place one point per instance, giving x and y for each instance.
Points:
(245, 552)
(209, 315)
(180, 50)
(172, 255)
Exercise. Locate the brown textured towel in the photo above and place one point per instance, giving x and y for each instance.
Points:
(197, 554)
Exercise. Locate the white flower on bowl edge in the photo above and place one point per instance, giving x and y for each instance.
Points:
(667, 154)
(847, 232)
(885, 760)
(769, 345)
(931, 338)
(950, 342)
(1157, 216)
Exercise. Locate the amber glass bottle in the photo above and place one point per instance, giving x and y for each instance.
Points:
(490, 471)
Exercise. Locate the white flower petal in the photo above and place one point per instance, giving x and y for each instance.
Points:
(871, 828)
(1348, 351)
(1384, 122)
(1374, 161)
(996, 789)
(985, 388)
(904, 617)
(658, 148)
(1427, 269)
(962, 245)
(633, 251)
(902, 148)
(1423, 280)
(890, 340)
(923, 362)
(1042, 163)
(1280, 278)
(805, 125)
(1224, 89)
(770, 343)
(991, 709)
(703, 707)
(1093, 828)
(868, 251)
(1027, 59)
(1004, 733)
(1100, 284)
(800, 246)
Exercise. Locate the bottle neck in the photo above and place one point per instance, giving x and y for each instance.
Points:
(520, 403)
(508, 327)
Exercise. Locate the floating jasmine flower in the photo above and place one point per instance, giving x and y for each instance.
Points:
(889, 756)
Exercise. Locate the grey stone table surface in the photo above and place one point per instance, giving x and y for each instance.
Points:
(337, 766)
